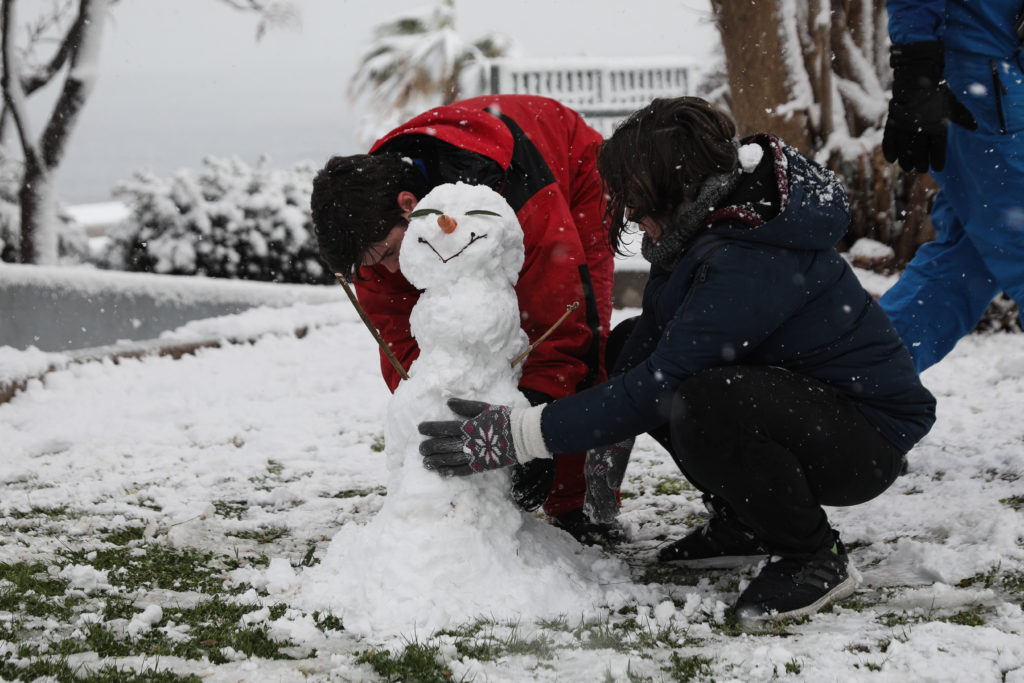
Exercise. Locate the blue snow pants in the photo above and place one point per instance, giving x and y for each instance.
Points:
(978, 216)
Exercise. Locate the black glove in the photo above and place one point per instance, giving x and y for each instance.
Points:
(604, 470)
(921, 108)
(532, 481)
(461, 447)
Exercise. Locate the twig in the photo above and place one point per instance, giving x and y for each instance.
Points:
(568, 309)
(369, 326)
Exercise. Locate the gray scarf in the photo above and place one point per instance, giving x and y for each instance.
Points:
(687, 221)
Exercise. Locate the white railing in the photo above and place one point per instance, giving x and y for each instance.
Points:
(604, 91)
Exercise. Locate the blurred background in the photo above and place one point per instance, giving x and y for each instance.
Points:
(182, 79)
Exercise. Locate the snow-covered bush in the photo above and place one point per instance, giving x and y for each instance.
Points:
(230, 220)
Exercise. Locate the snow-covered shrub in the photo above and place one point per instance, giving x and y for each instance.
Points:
(230, 220)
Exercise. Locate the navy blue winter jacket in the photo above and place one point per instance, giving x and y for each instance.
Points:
(761, 285)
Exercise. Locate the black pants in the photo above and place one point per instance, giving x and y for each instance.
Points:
(775, 446)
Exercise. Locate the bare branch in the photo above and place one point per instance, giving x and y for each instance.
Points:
(272, 13)
(43, 75)
(10, 82)
(78, 84)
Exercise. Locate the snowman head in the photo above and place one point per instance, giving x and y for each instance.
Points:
(461, 231)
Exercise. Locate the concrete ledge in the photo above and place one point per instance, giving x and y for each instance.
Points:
(61, 308)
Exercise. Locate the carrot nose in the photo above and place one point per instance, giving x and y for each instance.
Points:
(446, 223)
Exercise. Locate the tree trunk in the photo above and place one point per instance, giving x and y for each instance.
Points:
(756, 63)
(39, 240)
(816, 73)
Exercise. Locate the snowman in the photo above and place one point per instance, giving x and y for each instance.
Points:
(464, 249)
(443, 551)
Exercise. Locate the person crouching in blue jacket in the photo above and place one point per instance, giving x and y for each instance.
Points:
(773, 379)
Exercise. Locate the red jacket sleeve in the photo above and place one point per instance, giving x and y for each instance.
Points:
(388, 299)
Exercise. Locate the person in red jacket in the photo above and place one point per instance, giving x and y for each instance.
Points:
(542, 158)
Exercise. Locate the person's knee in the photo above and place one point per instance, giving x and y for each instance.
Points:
(703, 420)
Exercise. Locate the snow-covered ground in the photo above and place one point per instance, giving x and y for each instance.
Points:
(145, 503)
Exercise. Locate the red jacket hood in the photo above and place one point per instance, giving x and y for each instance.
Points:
(474, 129)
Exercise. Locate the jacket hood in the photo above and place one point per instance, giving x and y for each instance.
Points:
(787, 200)
(478, 130)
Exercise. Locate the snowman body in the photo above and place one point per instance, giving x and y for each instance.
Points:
(464, 249)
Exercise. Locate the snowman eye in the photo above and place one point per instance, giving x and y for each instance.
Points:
(482, 212)
(419, 213)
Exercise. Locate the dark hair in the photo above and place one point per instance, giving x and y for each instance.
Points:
(355, 203)
(660, 156)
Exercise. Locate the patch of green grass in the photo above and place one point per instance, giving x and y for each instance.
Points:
(902, 619)
(485, 640)
(274, 471)
(969, 617)
(327, 622)
(124, 536)
(858, 602)
(118, 607)
(1011, 582)
(56, 512)
(359, 493)
(672, 574)
(604, 636)
(213, 625)
(262, 534)
(416, 662)
(39, 668)
(28, 589)
(231, 509)
(688, 668)
(992, 474)
(634, 677)
(378, 444)
(154, 565)
(670, 486)
(1013, 502)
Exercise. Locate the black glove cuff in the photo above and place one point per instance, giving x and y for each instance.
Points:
(916, 67)
(536, 398)
(914, 61)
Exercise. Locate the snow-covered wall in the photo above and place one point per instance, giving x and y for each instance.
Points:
(62, 308)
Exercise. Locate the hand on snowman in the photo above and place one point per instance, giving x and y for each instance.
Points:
(491, 437)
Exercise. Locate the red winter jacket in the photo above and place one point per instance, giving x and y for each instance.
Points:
(541, 157)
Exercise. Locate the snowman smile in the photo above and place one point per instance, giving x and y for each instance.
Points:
(473, 237)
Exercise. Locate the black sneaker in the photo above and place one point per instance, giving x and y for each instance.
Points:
(790, 587)
(720, 543)
(579, 526)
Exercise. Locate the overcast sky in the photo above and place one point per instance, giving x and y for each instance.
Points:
(180, 79)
